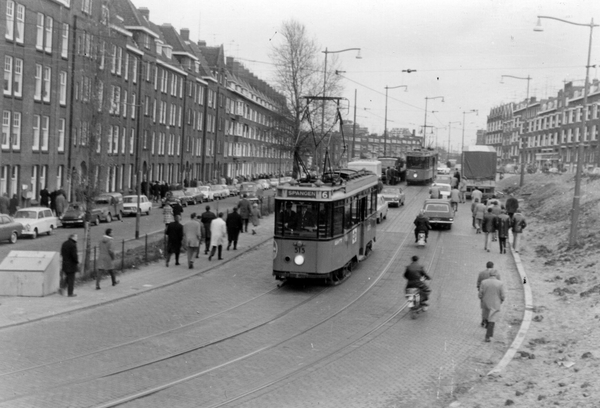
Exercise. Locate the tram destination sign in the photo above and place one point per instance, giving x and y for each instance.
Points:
(302, 193)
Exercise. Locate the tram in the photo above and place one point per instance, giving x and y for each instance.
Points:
(421, 166)
(323, 228)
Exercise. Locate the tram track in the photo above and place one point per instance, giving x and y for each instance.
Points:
(184, 352)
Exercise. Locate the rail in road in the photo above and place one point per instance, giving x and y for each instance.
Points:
(229, 337)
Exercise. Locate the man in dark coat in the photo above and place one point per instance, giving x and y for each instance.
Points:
(512, 206)
(4, 203)
(234, 226)
(422, 224)
(44, 196)
(13, 205)
(177, 208)
(70, 264)
(206, 218)
(174, 234)
(415, 275)
(245, 209)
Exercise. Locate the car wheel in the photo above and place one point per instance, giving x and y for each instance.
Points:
(108, 218)
(13, 238)
(35, 234)
(51, 230)
(148, 212)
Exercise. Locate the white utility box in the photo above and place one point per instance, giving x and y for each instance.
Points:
(30, 273)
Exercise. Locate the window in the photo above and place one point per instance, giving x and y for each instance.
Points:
(124, 103)
(64, 45)
(123, 140)
(59, 176)
(119, 60)
(45, 134)
(8, 73)
(63, 88)
(86, 6)
(134, 68)
(146, 105)
(133, 105)
(113, 64)
(116, 139)
(39, 39)
(61, 135)
(18, 79)
(173, 84)
(47, 77)
(109, 139)
(10, 20)
(126, 68)
(49, 26)
(5, 130)
(102, 53)
(16, 130)
(152, 143)
(132, 140)
(36, 133)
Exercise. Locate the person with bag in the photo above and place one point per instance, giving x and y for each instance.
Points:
(106, 258)
(254, 216)
(70, 264)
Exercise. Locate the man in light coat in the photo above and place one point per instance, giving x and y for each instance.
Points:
(105, 259)
(218, 236)
(518, 225)
(483, 275)
(492, 295)
(192, 237)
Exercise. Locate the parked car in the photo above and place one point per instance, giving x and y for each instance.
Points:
(274, 182)
(444, 179)
(10, 230)
(382, 209)
(263, 183)
(393, 195)
(440, 212)
(170, 200)
(233, 190)
(74, 216)
(207, 193)
(108, 206)
(443, 170)
(218, 192)
(253, 191)
(445, 189)
(181, 196)
(36, 220)
(226, 191)
(130, 206)
(195, 194)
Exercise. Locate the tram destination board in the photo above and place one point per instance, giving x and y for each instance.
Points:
(301, 194)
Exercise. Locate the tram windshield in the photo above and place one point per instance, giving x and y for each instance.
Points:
(300, 218)
(417, 162)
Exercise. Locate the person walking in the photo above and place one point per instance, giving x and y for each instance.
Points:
(13, 205)
(254, 217)
(168, 216)
(434, 191)
(479, 210)
(492, 295)
(44, 197)
(245, 209)
(483, 275)
(206, 219)
(70, 264)
(105, 259)
(476, 193)
(4, 203)
(234, 226)
(218, 235)
(177, 209)
(512, 205)
(462, 187)
(488, 224)
(496, 209)
(192, 233)
(60, 204)
(455, 198)
(502, 227)
(174, 235)
(518, 225)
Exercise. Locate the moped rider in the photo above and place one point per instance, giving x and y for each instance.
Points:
(422, 224)
(415, 275)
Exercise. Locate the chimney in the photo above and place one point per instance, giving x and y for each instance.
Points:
(185, 34)
(144, 11)
(201, 43)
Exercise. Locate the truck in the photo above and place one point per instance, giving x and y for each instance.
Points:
(374, 166)
(479, 170)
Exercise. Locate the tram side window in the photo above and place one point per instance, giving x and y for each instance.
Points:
(373, 202)
(338, 217)
(324, 220)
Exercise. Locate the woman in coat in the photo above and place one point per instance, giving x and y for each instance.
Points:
(234, 226)
(478, 212)
(502, 227)
(218, 236)
(488, 226)
(106, 258)
(254, 216)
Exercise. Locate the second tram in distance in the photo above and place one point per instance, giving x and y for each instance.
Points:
(421, 166)
(323, 228)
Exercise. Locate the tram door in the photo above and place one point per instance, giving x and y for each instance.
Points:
(363, 205)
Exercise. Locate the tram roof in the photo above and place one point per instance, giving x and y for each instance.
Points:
(343, 182)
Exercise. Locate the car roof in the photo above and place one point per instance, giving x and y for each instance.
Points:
(134, 195)
(33, 208)
(436, 201)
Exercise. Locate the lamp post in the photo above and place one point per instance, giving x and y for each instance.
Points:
(462, 149)
(425, 122)
(325, 87)
(449, 129)
(528, 78)
(576, 195)
(385, 126)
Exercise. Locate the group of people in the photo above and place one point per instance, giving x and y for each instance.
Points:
(214, 230)
(55, 200)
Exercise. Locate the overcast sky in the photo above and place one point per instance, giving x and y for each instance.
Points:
(460, 49)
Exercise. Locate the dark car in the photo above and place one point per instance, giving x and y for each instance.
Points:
(10, 230)
(182, 197)
(75, 215)
(439, 212)
(195, 194)
(170, 200)
(108, 207)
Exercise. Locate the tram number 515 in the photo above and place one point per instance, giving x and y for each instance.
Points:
(299, 250)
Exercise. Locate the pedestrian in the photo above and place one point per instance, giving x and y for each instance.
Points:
(518, 225)
(434, 191)
(192, 233)
(61, 203)
(13, 205)
(234, 226)
(177, 208)
(44, 197)
(454, 182)
(218, 235)
(168, 216)
(457, 176)
(254, 217)
(174, 235)
(476, 193)
(455, 198)
(462, 187)
(496, 209)
(53, 201)
(487, 225)
(4, 203)
(70, 264)
(106, 258)
(512, 205)
(245, 209)
(478, 213)
(206, 219)
(491, 293)
(502, 227)
(483, 275)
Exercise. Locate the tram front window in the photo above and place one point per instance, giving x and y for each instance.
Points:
(298, 219)
(417, 162)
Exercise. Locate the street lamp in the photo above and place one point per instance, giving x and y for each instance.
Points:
(522, 181)
(385, 126)
(449, 129)
(462, 149)
(425, 122)
(576, 195)
(358, 56)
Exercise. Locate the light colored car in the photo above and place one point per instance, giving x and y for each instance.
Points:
(207, 193)
(218, 192)
(443, 170)
(393, 195)
(226, 191)
(10, 230)
(130, 206)
(439, 211)
(195, 194)
(382, 209)
(445, 189)
(36, 221)
(263, 183)
(274, 182)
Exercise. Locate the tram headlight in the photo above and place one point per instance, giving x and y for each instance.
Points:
(415, 175)
(299, 260)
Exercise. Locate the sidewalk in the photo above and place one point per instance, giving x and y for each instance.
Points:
(19, 310)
